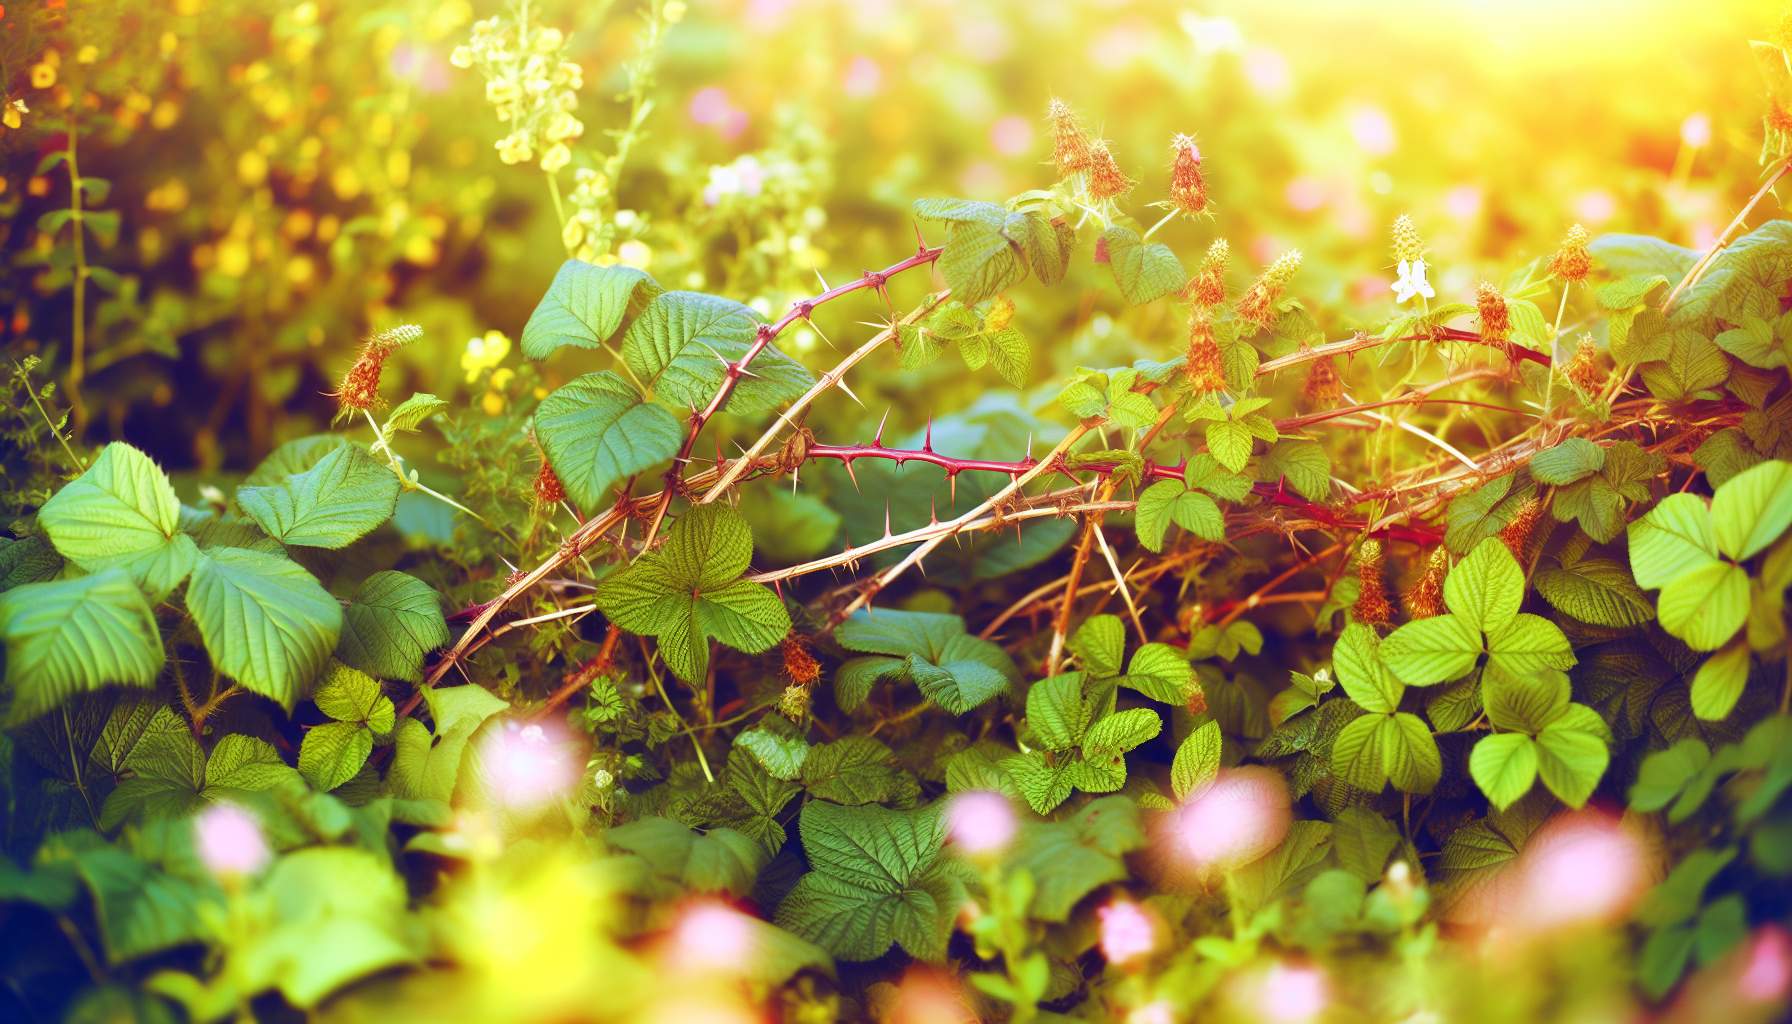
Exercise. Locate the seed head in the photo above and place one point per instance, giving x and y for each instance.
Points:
(1206, 368)
(1188, 186)
(1372, 605)
(1324, 387)
(548, 490)
(1572, 262)
(1106, 180)
(360, 388)
(799, 664)
(1426, 598)
(1070, 143)
(1583, 369)
(1517, 534)
(1208, 286)
(1408, 246)
(793, 703)
(1257, 306)
(1496, 319)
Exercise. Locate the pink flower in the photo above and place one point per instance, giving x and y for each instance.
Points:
(1291, 994)
(524, 766)
(230, 841)
(1767, 971)
(1127, 932)
(712, 937)
(1241, 817)
(1579, 867)
(980, 822)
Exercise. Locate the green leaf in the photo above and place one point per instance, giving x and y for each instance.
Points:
(333, 753)
(334, 503)
(781, 756)
(139, 909)
(1357, 660)
(1525, 702)
(1358, 753)
(1674, 538)
(875, 881)
(955, 670)
(1230, 443)
(1057, 712)
(980, 260)
(1664, 774)
(597, 431)
(1486, 588)
(1705, 606)
(1412, 761)
(1752, 509)
(1143, 271)
(587, 306)
(1197, 761)
(67, 636)
(680, 344)
(1596, 590)
(1719, 683)
(122, 513)
(1303, 464)
(1043, 784)
(1155, 510)
(1115, 734)
(1529, 643)
(392, 622)
(1434, 650)
(1100, 645)
(1504, 765)
(689, 589)
(961, 210)
(1572, 754)
(265, 621)
(718, 861)
(350, 696)
(412, 412)
(854, 770)
(1070, 859)
(1162, 673)
(1574, 458)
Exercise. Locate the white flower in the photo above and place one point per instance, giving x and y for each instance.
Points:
(1412, 281)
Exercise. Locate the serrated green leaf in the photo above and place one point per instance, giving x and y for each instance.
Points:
(1057, 712)
(1504, 765)
(332, 753)
(334, 503)
(1143, 271)
(1197, 761)
(1529, 643)
(121, 513)
(1357, 660)
(1303, 464)
(1719, 683)
(586, 306)
(1674, 538)
(65, 637)
(1162, 673)
(1596, 590)
(266, 622)
(1705, 606)
(1485, 589)
(1230, 442)
(1119, 732)
(350, 696)
(1572, 754)
(980, 261)
(413, 411)
(1574, 458)
(1434, 650)
(1043, 784)
(1100, 645)
(596, 431)
(1752, 509)
(681, 343)
(392, 622)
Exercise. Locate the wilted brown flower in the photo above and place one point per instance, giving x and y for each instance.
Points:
(360, 388)
(799, 664)
(1496, 318)
(1206, 368)
(1070, 144)
(1583, 369)
(1106, 180)
(548, 490)
(1517, 533)
(1258, 305)
(1572, 262)
(1323, 387)
(1426, 598)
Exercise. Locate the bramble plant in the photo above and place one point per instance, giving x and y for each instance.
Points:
(1228, 666)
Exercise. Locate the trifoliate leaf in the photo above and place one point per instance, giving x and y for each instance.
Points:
(953, 669)
(1705, 606)
(1434, 650)
(1230, 442)
(980, 261)
(1572, 754)
(1057, 711)
(413, 411)
(1044, 784)
(1162, 673)
(1574, 458)
(586, 306)
(334, 503)
(350, 696)
(392, 622)
(1303, 464)
(67, 636)
(266, 622)
(597, 431)
(122, 513)
(1485, 589)
(1529, 643)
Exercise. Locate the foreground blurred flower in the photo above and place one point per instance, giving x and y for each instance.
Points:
(711, 937)
(1289, 994)
(524, 766)
(1239, 818)
(230, 842)
(1581, 867)
(1127, 932)
(980, 822)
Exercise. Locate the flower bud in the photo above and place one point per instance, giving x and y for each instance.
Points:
(799, 664)
(1323, 387)
(1205, 369)
(1517, 533)
(1583, 369)
(1257, 306)
(1426, 598)
(1496, 319)
(1070, 144)
(1407, 244)
(1106, 180)
(1208, 286)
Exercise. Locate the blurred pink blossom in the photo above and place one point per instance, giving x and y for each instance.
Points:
(1373, 130)
(1268, 72)
(712, 937)
(1695, 131)
(1012, 135)
(1305, 194)
(1767, 972)
(1464, 202)
(1580, 867)
(525, 766)
(980, 822)
(1290, 994)
(1595, 206)
(230, 841)
(1127, 931)
(1241, 817)
(863, 78)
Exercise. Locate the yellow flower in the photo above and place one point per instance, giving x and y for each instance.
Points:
(514, 148)
(556, 158)
(13, 114)
(483, 353)
(87, 54)
(42, 76)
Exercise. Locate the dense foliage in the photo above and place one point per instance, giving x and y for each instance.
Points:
(1174, 646)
